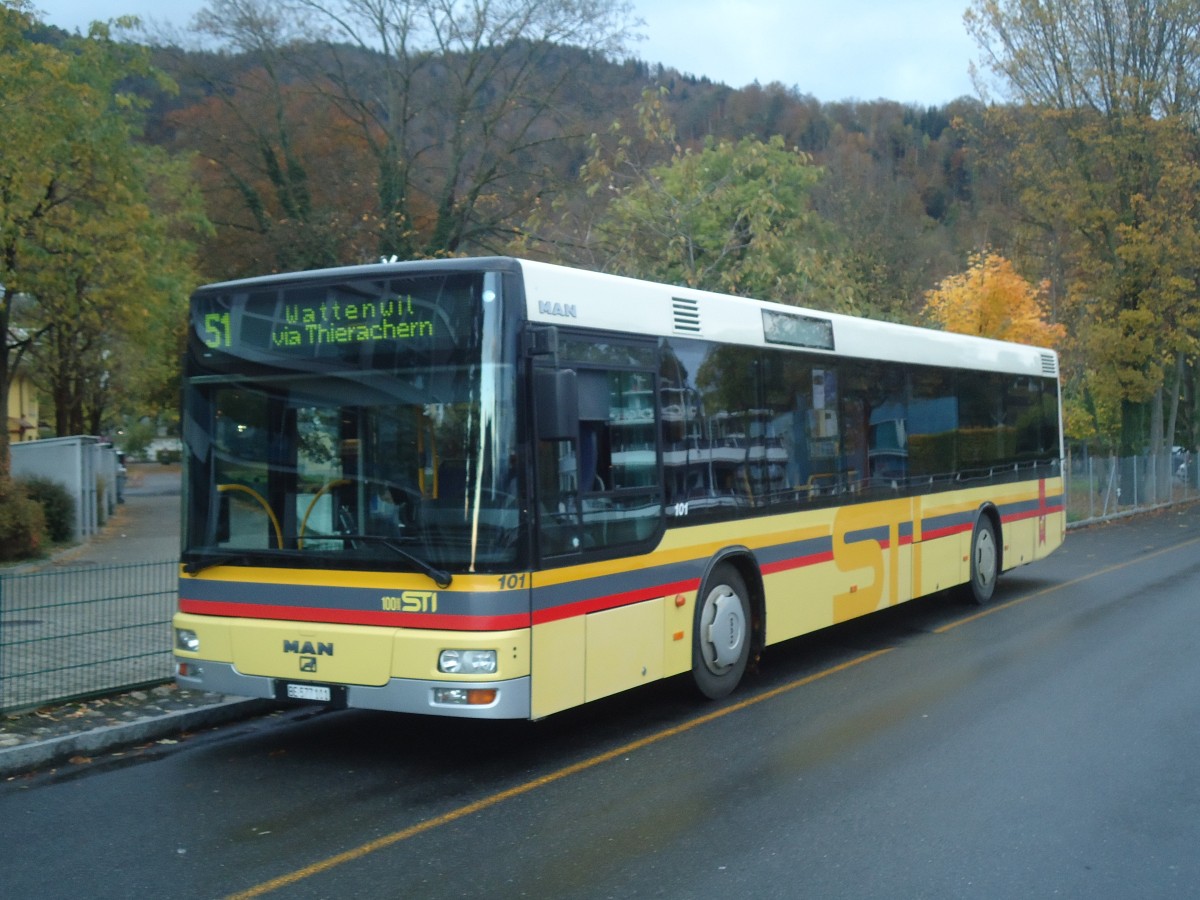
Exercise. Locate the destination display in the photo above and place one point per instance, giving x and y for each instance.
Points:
(337, 321)
(332, 322)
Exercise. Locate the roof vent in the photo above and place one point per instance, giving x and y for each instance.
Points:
(1049, 365)
(687, 315)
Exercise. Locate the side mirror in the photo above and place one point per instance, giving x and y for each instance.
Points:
(556, 404)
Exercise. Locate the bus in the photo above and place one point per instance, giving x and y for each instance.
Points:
(498, 488)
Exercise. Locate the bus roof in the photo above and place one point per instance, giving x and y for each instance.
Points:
(570, 297)
(559, 295)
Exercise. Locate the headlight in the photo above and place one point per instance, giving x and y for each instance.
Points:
(186, 639)
(467, 662)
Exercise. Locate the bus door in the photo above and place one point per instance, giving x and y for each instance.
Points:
(599, 480)
(598, 496)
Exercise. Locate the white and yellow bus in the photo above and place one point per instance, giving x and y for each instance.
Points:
(499, 489)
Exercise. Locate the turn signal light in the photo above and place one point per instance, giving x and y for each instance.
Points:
(465, 696)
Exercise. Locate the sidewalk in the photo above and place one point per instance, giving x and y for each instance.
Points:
(75, 733)
(144, 528)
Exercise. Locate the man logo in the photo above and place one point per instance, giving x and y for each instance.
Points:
(308, 648)
(566, 310)
(308, 664)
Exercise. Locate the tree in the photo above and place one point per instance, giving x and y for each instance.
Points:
(286, 175)
(887, 190)
(1107, 162)
(1135, 58)
(455, 101)
(111, 303)
(76, 222)
(991, 300)
(732, 216)
(28, 157)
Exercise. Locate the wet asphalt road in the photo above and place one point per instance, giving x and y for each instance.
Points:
(1046, 748)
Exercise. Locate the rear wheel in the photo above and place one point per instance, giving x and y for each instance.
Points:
(721, 633)
(985, 561)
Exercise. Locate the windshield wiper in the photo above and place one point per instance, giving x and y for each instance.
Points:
(194, 566)
(440, 577)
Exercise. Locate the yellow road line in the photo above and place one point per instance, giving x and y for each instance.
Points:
(1058, 587)
(487, 802)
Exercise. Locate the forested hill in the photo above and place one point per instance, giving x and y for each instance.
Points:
(295, 147)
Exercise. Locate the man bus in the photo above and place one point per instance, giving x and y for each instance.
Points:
(499, 488)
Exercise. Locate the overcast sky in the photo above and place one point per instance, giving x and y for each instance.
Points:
(912, 51)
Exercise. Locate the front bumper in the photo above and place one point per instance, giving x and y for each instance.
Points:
(406, 695)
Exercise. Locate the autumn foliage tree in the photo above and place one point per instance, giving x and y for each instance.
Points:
(286, 179)
(94, 224)
(992, 300)
(1105, 162)
(451, 109)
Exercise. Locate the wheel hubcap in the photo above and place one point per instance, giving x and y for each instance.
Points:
(985, 558)
(726, 630)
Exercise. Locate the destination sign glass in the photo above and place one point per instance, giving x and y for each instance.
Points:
(352, 321)
(797, 330)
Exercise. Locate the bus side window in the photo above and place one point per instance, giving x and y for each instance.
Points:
(557, 410)
(558, 493)
(595, 453)
(629, 507)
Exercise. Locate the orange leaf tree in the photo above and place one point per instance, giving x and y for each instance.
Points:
(992, 300)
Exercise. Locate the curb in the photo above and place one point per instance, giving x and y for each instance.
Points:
(26, 757)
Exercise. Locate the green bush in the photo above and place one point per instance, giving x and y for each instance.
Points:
(57, 504)
(22, 523)
(137, 438)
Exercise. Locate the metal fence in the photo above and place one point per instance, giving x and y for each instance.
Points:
(67, 633)
(1100, 488)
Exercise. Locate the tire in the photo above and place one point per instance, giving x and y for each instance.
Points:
(985, 562)
(721, 633)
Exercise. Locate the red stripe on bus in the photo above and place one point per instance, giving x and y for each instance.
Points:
(1048, 510)
(354, 616)
(799, 562)
(933, 534)
(612, 601)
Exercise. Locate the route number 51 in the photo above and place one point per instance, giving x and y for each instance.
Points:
(217, 333)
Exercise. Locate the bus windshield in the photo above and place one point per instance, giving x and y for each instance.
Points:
(351, 424)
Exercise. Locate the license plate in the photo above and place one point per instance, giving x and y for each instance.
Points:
(309, 692)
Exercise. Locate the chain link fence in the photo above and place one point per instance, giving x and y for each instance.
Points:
(73, 632)
(1100, 488)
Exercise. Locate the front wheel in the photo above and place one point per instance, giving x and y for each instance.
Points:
(985, 561)
(721, 634)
